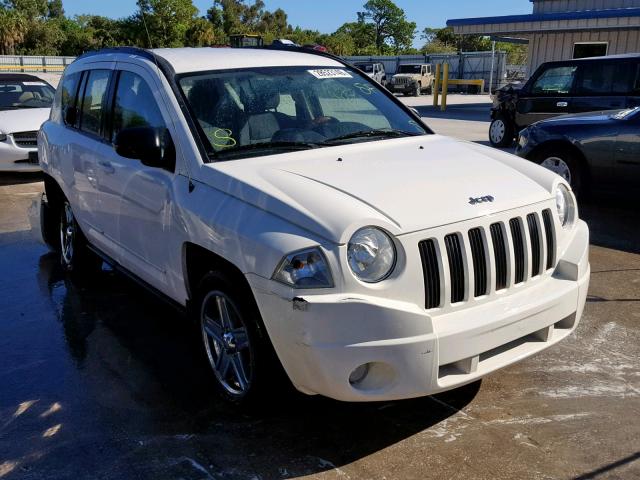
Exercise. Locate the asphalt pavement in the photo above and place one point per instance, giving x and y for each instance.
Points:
(104, 381)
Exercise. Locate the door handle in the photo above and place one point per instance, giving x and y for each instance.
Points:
(106, 166)
(562, 104)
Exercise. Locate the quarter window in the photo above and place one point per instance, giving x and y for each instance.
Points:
(555, 81)
(135, 105)
(95, 92)
(608, 78)
(68, 92)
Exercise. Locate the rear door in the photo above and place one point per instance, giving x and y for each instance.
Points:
(91, 154)
(548, 94)
(603, 85)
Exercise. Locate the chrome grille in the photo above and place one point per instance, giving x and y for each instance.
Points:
(510, 251)
(26, 139)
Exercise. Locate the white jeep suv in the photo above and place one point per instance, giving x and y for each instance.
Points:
(293, 206)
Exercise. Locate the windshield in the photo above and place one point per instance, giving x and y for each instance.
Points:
(25, 94)
(626, 114)
(409, 69)
(263, 111)
(365, 67)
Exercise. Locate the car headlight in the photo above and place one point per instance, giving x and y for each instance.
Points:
(304, 269)
(371, 254)
(566, 206)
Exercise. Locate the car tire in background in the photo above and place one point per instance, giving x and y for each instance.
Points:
(501, 131)
(417, 90)
(564, 162)
(236, 345)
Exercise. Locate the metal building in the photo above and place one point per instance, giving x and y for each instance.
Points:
(565, 29)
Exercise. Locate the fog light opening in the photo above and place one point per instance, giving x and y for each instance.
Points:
(359, 374)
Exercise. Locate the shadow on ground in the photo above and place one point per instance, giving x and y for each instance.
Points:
(19, 178)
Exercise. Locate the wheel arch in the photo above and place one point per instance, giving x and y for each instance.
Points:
(197, 261)
(566, 145)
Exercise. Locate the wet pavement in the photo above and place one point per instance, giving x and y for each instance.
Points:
(104, 381)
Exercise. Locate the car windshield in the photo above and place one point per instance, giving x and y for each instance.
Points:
(409, 69)
(264, 111)
(25, 94)
(365, 67)
(626, 114)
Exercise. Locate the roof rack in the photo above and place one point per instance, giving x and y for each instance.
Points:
(143, 52)
(297, 49)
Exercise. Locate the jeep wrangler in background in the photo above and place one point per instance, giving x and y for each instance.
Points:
(412, 79)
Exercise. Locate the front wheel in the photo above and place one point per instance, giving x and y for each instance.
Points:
(564, 163)
(501, 131)
(417, 90)
(236, 346)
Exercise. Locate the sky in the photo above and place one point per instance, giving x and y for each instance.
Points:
(327, 15)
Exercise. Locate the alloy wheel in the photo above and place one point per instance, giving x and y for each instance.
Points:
(227, 343)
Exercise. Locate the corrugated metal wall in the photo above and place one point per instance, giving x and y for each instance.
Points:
(551, 6)
(546, 47)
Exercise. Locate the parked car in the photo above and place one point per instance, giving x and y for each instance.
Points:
(412, 79)
(25, 102)
(337, 238)
(560, 88)
(588, 146)
(373, 70)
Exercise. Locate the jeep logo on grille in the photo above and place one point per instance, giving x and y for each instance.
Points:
(477, 200)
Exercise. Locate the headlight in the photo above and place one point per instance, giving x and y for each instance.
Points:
(304, 269)
(566, 206)
(371, 254)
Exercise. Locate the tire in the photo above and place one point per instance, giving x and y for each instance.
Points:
(417, 90)
(235, 343)
(501, 131)
(49, 219)
(565, 163)
(75, 255)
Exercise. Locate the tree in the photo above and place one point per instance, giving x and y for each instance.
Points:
(55, 9)
(31, 9)
(390, 25)
(13, 26)
(167, 21)
(445, 39)
(362, 34)
(200, 34)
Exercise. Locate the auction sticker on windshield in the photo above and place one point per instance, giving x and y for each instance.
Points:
(330, 73)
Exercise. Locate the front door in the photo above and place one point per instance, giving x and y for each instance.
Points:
(627, 156)
(549, 95)
(145, 202)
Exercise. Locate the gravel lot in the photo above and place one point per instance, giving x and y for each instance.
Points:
(101, 381)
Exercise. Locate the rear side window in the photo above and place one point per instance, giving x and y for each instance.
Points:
(93, 101)
(135, 105)
(68, 91)
(607, 79)
(555, 81)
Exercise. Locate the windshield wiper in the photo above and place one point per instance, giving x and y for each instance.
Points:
(292, 146)
(388, 133)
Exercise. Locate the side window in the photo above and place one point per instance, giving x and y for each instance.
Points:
(424, 70)
(135, 105)
(608, 78)
(636, 79)
(555, 81)
(68, 91)
(95, 92)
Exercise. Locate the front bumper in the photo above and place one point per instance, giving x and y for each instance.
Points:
(17, 159)
(402, 88)
(321, 339)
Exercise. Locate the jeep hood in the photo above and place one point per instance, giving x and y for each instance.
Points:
(392, 183)
(23, 119)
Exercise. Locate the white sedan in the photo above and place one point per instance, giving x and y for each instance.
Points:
(25, 103)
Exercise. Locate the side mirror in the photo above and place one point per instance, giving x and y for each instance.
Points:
(152, 146)
(70, 116)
